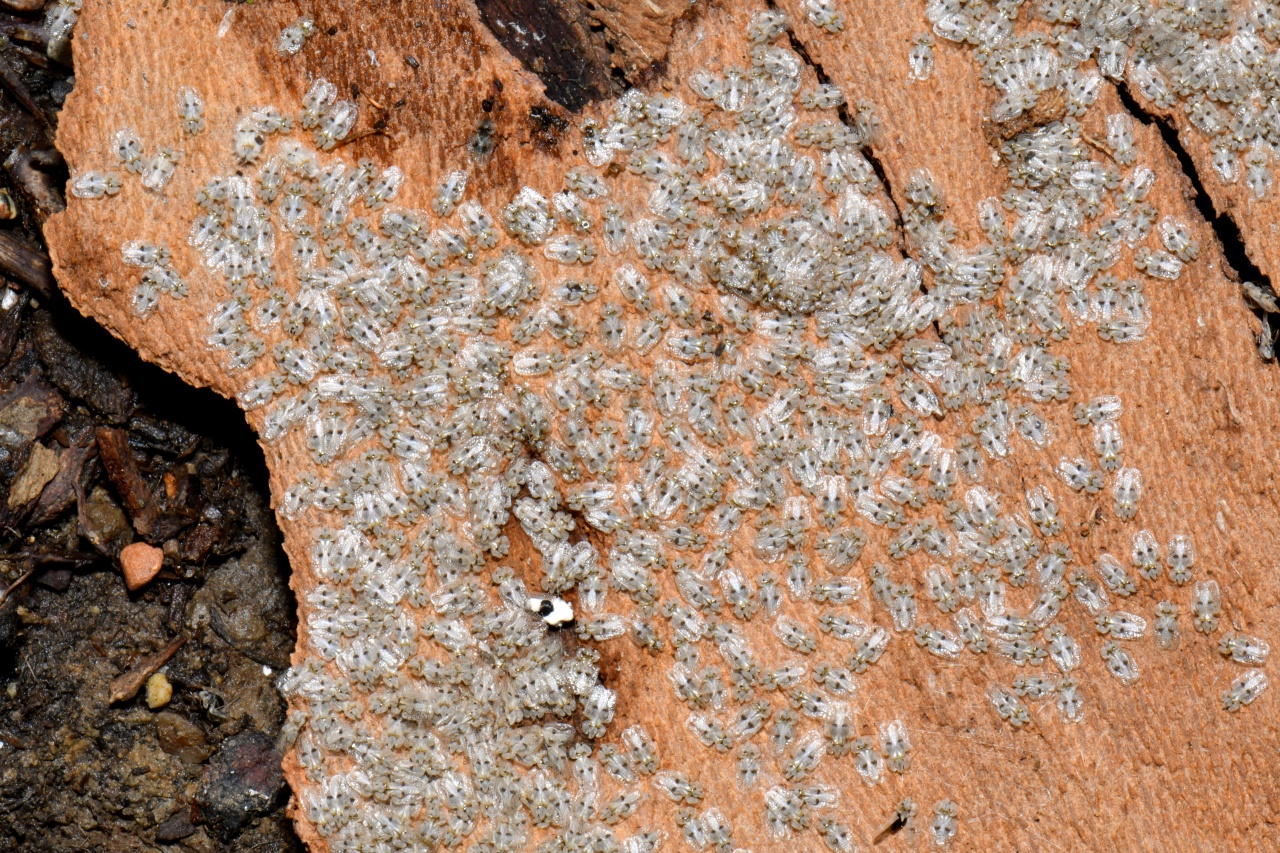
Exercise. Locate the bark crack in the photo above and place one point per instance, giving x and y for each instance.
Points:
(842, 111)
(1234, 251)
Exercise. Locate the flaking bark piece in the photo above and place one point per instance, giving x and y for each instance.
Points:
(23, 262)
(60, 493)
(122, 470)
(1198, 411)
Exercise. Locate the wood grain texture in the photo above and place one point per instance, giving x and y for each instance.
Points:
(1154, 766)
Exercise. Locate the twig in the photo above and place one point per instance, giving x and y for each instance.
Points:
(12, 80)
(33, 56)
(126, 686)
(24, 31)
(25, 575)
(34, 173)
(25, 263)
(117, 459)
(1098, 146)
(365, 134)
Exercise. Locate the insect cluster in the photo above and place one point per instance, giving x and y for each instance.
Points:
(1216, 62)
(739, 387)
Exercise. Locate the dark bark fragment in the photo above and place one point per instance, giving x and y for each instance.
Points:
(553, 40)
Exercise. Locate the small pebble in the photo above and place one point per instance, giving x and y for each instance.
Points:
(141, 563)
(159, 691)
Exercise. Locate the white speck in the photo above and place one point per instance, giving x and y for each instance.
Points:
(1222, 523)
(373, 59)
(267, 671)
(227, 19)
(9, 300)
(1200, 322)
(556, 612)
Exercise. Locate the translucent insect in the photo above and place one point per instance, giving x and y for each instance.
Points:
(294, 36)
(528, 217)
(139, 254)
(1157, 263)
(615, 230)
(971, 632)
(249, 140)
(868, 761)
(747, 771)
(1079, 476)
(835, 835)
(1180, 557)
(159, 169)
(621, 806)
(794, 636)
(1108, 444)
(824, 15)
(1114, 575)
(1177, 238)
(1243, 649)
(570, 250)
(384, 188)
(60, 17)
(1166, 625)
(679, 787)
(869, 651)
(585, 184)
(1120, 138)
(1044, 511)
(301, 159)
(1121, 625)
(1127, 491)
(920, 57)
(597, 711)
(824, 96)
(1092, 595)
(1145, 555)
(1097, 411)
(1070, 704)
(128, 150)
(1119, 663)
(145, 298)
(449, 193)
(944, 826)
(1258, 175)
(643, 750)
(938, 642)
(1032, 427)
(96, 185)
(1063, 650)
(784, 730)
(902, 607)
(190, 110)
(334, 125)
(804, 757)
(480, 226)
(1008, 706)
(1244, 690)
(941, 588)
(896, 745)
(969, 459)
(1033, 687)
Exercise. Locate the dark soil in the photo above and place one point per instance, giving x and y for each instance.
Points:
(99, 450)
